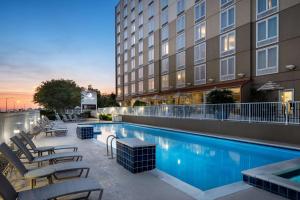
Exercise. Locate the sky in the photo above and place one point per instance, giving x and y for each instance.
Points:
(52, 39)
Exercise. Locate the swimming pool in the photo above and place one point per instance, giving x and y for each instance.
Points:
(203, 162)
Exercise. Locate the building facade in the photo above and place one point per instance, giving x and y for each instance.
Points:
(176, 51)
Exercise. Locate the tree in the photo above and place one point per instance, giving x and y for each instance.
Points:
(58, 94)
(219, 96)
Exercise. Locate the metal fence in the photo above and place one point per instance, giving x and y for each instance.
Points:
(265, 112)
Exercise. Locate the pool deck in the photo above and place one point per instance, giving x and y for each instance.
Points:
(118, 183)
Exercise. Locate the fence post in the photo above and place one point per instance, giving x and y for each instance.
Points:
(222, 112)
(249, 114)
(286, 113)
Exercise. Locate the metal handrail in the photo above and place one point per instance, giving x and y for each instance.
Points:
(111, 149)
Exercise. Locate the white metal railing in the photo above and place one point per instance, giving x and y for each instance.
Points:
(266, 112)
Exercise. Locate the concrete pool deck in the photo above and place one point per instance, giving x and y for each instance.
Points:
(120, 184)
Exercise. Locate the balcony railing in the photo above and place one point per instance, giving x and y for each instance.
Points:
(264, 112)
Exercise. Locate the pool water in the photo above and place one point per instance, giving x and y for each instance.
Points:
(295, 179)
(203, 162)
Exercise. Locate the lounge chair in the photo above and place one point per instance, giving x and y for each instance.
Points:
(52, 158)
(53, 191)
(43, 172)
(41, 150)
(65, 118)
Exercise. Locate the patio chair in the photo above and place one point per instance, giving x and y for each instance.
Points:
(53, 191)
(52, 158)
(65, 118)
(46, 171)
(41, 150)
(70, 117)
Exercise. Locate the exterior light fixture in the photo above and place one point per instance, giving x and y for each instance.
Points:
(241, 75)
(290, 67)
(210, 80)
(16, 131)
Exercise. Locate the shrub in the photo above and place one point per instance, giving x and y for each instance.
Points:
(219, 96)
(105, 117)
(139, 103)
(50, 114)
(85, 114)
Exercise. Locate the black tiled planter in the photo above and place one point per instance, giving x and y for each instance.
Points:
(135, 155)
(85, 131)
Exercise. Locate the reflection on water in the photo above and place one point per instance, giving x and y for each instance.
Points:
(200, 161)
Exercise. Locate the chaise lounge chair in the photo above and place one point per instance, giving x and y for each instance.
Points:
(43, 172)
(52, 158)
(53, 191)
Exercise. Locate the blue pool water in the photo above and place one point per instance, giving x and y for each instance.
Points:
(204, 162)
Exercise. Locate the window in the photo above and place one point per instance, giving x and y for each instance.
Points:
(118, 60)
(118, 70)
(132, 4)
(125, 45)
(133, 88)
(150, 54)
(180, 60)
(180, 23)
(267, 31)
(133, 27)
(132, 63)
(125, 56)
(140, 6)
(165, 33)
(151, 69)
(227, 69)
(180, 6)
(151, 84)
(165, 81)
(265, 8)
(141, 46)
(267, 61)
(126, 78)
(165, 65)
(200, 11)
(227, 19)
(200, 53)
(132, 40)
(118, 17)
(141, 86)
(180, 42)
(125, 23)
(164, 16)
(132, 52)
(227, 43)
(151, 40)
(125, 67)
(125, 34)
(118, 39)
(200, 32)
(141, 33)
(163, 3)
(225, 3)
(125, 12)
(165, 49)
(132, 16)
(118, 28)
(119, 80)
(180, 78)
(118, 49)
(151, 10)
(119, 91)
(140, 73)
(141, 19)
(141, 60)
(200, 74)
(151, 25)
(133, 76)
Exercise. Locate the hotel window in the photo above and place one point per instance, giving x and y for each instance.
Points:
(165, 65)
(151, 9)
(141, 87)
(119, 91)
(165, 33)
(151, 25)
(133, 88)
(133, 76)
(132, 40)
(180, 78)
(118, 49)
(132, 16)
(180, 60)
(132, 63)
(267, 60)
(200, 10)
(125, 2)
(140, 73)
(125, 34)
(265, 8)
(132, 4)
(132, 52)
(165, 81)
(164, 16)
(151, 69)
(133, 27)
(200, 74)
(126, 78)
(118, 28)
(118, 39)
(118, 17)
(118, 60)
(151, 84)
(125, 23)
(180, 42)
(225, 3)
(118, 70)
(150, 54)
(141, 46)
(141, 33)
(141, 19)
(125, 12)
(227, 43)
(180, 6)
(227, 19)
(119, 80)
(163, 3)
(227, 69)
(267, 31)
(180, 23)
(151, 40)
(200, 32)
(141, 59)
(200, 53)
(125, 56)
(125, 67)
(140, 6)
(126, 90)
(125, 45)
(165, 49)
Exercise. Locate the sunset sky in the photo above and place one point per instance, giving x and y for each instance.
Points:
(49, 39)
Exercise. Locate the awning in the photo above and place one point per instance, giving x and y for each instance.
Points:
(270, 85)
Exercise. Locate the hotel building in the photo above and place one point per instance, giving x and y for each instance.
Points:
(176, 51)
